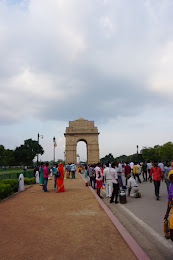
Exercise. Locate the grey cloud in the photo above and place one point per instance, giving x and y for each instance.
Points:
(107, 79)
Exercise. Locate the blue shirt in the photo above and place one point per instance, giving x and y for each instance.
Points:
(72, 167)
(54, 170)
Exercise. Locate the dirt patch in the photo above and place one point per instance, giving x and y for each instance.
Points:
(69, 225)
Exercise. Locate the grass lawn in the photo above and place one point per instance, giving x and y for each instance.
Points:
(18, 170)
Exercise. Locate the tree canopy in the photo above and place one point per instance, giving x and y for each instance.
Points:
(158, 153)
(26, 153)
(22, 155)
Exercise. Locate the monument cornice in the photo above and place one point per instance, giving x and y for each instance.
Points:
(84, 133)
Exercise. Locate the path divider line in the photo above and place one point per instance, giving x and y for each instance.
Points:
(136, 249)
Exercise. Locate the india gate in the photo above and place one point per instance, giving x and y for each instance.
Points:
(82, 130)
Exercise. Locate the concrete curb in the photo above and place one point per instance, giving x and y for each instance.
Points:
(136, 249)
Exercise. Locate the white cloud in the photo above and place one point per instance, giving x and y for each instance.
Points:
(162, 79)
(101, 60)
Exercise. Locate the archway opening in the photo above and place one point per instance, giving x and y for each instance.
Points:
(81, 151)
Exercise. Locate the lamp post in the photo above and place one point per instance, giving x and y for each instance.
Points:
(38, 146)
(137, 153)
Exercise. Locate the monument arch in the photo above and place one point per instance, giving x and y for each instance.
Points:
(81, 130)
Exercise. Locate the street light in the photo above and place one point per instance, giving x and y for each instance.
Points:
(38, 146)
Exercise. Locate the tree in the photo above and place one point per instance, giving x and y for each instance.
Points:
(2, 155)
(166, 151)
(8, 157)
(107, 158)
(25, 154)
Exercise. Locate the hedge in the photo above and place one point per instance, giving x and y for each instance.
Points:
(5, 190)
(13, 183)
(10, 186)
(29, 181)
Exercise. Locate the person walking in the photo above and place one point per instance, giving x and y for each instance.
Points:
(46, 173)
(161, 165)
(73, 169)
(91, 173)
(131, 166)
(149, 165)
(166, 171)
(144, 171)
(136, 171)
(119, 170)
(60, 180)
(86, 173)
(42, 176)
(108, 180)
(127, 171)
(99, 179)
(68, 169)
(115, 183)
(156, 175)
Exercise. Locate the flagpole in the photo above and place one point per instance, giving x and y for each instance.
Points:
(54, 140)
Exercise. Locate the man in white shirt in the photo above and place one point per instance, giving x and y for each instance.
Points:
(149, 165)
(161, 165)
(131, 166)
(132, 186)
(99, 179)
(119, 170)
(115, 184)
(108, 180)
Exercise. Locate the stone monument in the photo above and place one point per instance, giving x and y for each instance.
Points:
(82, 130)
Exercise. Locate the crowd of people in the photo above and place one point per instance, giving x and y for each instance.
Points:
(43, 173)
(110, 176)
(154, 172)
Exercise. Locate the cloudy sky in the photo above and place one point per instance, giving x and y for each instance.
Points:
(110, 61)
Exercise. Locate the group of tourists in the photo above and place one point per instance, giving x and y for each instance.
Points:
(154, 172)
(111, 174)
(43, 175)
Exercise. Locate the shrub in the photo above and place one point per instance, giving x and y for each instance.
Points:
(13, 183)
(29, 181)
(5, 190)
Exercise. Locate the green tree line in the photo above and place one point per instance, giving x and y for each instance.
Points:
(22, 155)
(158, 152)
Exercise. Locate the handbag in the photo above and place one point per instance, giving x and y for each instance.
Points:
(58, 174)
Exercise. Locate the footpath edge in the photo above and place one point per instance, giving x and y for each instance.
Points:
(136, 249)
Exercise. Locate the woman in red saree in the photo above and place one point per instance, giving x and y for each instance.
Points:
(60, 180)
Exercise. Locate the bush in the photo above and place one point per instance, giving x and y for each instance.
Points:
(5, 190)
(13, 183)
(29, 181)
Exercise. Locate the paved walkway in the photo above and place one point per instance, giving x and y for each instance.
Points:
(70, 225)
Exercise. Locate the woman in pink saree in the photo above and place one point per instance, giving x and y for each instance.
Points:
(60, 180)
